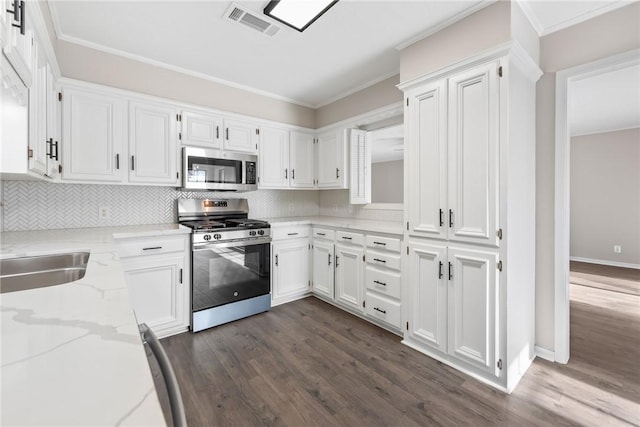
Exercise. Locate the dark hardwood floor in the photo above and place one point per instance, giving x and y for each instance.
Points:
(308, 363)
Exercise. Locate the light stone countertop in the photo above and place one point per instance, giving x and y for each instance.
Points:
(371, 226)
(71, 354)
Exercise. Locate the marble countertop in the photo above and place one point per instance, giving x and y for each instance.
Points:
(71, 354)
(390, 227)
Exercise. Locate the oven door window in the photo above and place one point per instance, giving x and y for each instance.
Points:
(224, 275)
(212, 170)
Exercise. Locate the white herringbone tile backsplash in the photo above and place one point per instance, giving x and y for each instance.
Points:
(336, 203)
(30, 205)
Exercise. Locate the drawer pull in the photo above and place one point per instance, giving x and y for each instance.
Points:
(380, 310)
(292, 234)
(380, 243)
(152, 248)
(379, 260)
(321, 234)
(347, 238)
(379, 283)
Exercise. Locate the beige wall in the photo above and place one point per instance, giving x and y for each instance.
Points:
(615, 32)
(376, 96)
(387, 182)
(605, 196)
(480, 31)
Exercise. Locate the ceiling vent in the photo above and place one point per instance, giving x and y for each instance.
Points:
(250, 19)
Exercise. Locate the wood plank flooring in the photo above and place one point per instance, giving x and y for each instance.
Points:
(617, 279)
(308, 363)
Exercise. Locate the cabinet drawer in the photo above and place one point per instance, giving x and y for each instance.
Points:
(385, 282)
(290, 232)
(348, 237)
(323, 233)
(151, 246)
(383, 243)
(383, 309)
(382, 259)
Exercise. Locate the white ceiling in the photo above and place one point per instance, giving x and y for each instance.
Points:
(605, 102)
(352, 46)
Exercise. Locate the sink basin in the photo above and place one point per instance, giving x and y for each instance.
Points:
(18, 274)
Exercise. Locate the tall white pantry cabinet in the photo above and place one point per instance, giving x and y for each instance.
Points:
(470, 215)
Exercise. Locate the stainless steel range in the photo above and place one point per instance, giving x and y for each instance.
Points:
(230, 261)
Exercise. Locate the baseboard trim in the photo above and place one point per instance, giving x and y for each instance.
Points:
(605, 262)
(545, 354)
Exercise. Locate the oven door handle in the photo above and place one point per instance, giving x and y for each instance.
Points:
(231, 243)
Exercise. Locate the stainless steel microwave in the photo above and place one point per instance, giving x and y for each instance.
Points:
(210, 169)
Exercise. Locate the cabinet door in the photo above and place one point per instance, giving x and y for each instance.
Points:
(54, 120)
(331, 163)
(323, 259)
(94, 136)
(158, 292)
(301, 160)
(473, 308)
(274, 158)
(240, 135)
(38, 138)
(426, 161)
(152, 143)
(427, 303)
(349, 269)
(473, 155)
(290, 269)
(360, 167)
(203, 130)
(18, 47)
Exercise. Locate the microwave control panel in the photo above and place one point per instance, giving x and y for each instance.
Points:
(251, 173)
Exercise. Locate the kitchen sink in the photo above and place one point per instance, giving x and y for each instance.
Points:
(18, 274)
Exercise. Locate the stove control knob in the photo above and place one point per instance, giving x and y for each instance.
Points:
(217, 236)
(252, 233)
(207, 237)
(261, 232)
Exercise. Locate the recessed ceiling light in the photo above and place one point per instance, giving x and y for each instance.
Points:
(296, 13)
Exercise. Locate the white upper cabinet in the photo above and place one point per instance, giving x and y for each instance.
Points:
(94, 136)
(18, 46)
(153, 143)
(240, 135)
(54, 123)
(426, 161)
(301, 160)
(39, 145)
(453, 164)
(360, 168)
(473, 155)
(273, 158)
(201, 129)
(331, 160)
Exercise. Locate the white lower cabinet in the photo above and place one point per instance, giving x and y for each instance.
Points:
(157, 274)
(349, 269)
(383, 280)
(452, 304)
(290, 277)
(322, 260)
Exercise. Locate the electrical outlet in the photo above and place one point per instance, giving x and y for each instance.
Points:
(617, 249)
(104, 212)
